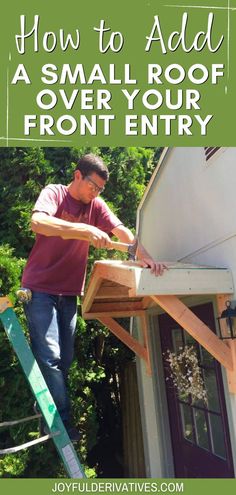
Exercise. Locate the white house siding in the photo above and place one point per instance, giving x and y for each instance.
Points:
(191, 204)
(189, 214)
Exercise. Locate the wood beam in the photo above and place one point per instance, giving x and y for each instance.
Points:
(146, 302)
(113, 314)
(123, 275)
(112, 292)
(195, 327)
(91, 293)
(110, 307)
(231, 375)
(125, 337)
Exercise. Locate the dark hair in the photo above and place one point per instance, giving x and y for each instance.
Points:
(90, 163)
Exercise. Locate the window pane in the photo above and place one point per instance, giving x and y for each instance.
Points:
(199, 402)
(187, 425)
(177, 338)
(217, 434)
(189, 340)
(211, 389)
(206, 357)
(201, 429)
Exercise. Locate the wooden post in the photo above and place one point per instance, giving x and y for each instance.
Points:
(231, 374)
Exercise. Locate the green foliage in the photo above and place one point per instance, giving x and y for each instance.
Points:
(23, 174)
(99, 356)
(129, 168)
(16, 399)
(13, 466)
(10, 271)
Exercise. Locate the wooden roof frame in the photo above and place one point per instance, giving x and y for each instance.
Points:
(120, 289)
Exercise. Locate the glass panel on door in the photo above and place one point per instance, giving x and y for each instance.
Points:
(201, 421)
(187, 423)
(199, 428)
(217, 435)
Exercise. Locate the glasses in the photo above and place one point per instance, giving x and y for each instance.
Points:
(93, 186)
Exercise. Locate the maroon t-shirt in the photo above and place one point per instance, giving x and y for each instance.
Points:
(55, 265)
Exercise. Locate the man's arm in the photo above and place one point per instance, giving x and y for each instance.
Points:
(125, 235)
(47, 225)
(42, 223)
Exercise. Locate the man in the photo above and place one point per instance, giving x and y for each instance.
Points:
(67, 219)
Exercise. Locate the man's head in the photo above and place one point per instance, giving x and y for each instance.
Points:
(91, 175)
(90, 163)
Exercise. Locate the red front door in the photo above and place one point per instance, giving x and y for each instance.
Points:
(199, 429)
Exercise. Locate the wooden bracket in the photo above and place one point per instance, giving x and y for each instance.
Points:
(231, 374)
(123, 289)
(141, 350)
(195, 327)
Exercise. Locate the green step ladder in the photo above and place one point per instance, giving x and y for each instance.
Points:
(43, 397)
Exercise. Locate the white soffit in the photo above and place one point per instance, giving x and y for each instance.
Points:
(184, 279)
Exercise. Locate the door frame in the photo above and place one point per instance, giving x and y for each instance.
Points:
(190, 449)
(155, 388)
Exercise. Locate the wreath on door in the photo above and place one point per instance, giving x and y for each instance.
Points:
(185, 372)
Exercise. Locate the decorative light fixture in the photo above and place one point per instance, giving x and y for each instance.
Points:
(227, 322)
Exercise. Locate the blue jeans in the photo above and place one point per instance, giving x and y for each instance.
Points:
(52, 322)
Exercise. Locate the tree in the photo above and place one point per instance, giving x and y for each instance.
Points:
(94, 377)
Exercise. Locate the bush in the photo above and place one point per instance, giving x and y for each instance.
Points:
(10, 271)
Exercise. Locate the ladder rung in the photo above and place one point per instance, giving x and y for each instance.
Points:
(26, 445)
(23, 420)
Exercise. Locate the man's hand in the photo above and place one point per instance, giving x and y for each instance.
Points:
(147, 261)
(51, 226)
(125, 235)
(98, 238)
